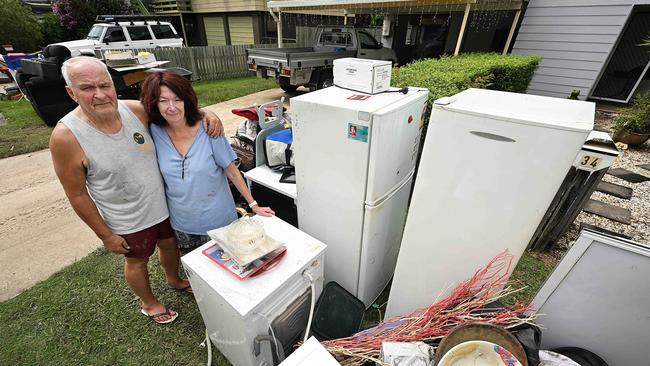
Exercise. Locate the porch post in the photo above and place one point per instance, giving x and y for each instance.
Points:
(345, 17)
(183, 28)
(462, 29)
(279, 29)
(512, 31)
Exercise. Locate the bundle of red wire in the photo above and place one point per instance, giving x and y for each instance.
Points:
(466, 303)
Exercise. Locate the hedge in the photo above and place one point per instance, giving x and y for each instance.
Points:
(452, 74)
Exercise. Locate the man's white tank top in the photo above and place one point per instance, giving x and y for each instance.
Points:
(122, 175)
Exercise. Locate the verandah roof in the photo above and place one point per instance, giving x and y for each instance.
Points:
(397, 7)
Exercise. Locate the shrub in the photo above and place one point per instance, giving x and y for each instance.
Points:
(51, 29)
(636, 118)
(449, 75)
(18, 26)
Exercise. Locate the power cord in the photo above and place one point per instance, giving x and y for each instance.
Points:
(207, 342)
(313, 303)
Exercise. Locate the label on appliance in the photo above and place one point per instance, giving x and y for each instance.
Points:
(358, 97)
(357, 132)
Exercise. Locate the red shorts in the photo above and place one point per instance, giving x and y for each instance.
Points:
(143, 242)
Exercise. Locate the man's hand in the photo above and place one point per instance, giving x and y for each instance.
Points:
(116, 244)
(212, 123)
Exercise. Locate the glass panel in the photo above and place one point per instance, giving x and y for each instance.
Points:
(367, 41)
(339, 39)
(139, 33)
(114, 34)
(163, 31)
(628, 61)
(95, 32)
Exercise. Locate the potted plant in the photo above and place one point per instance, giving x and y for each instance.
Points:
(633, 126)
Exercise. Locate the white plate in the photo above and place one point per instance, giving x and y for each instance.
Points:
(478, 353)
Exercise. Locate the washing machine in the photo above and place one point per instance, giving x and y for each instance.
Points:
(257, 321)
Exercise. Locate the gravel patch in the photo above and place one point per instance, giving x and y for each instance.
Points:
(639, 204)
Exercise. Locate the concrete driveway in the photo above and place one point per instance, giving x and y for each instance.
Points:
(39, 232)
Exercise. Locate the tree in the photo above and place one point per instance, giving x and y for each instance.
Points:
(18, 26)
(51, 29)
(77, 16)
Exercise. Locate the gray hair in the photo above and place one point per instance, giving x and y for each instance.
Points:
(78, 59)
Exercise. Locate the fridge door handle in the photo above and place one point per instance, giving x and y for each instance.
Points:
(391, 193)
(492, 136)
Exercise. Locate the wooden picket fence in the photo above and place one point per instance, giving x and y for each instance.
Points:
(208, 62)
(223, 62)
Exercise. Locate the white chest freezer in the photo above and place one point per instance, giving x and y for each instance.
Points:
(491, 164)
(355, 155)
(246, 319)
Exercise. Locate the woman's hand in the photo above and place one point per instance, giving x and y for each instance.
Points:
(263, 211)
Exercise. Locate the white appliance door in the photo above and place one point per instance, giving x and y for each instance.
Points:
(394, 144)
(483, 185)
(331, 156)
(383, 226)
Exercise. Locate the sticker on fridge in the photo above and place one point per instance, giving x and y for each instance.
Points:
(357, 132)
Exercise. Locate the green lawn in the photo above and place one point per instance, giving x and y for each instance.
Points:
(86, 314)
(25, 131)
(212, 92)
(530, 274)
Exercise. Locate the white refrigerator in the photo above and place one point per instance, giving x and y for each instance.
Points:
(491, 164)
(355, 155)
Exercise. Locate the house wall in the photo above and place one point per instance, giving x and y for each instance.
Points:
(215, 32)
(211, 6)
(575, 39)
(241, 30)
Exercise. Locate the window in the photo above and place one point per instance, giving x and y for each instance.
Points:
(367, 41)
(95, 32)
(338, 39)
(114, 34)
(163, 31)
(139, 33)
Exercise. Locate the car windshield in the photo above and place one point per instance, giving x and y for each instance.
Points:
(95, 32)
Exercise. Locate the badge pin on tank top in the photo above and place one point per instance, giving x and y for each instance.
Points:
(139, 139)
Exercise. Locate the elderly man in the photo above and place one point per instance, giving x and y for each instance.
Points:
(106, 162)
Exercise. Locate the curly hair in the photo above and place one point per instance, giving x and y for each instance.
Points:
(178, 85)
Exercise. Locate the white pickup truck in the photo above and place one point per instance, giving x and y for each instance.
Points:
(312, 66)
(125, 32)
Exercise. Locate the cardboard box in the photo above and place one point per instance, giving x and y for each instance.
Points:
(145, 58)
(366, 76)
(120, 58)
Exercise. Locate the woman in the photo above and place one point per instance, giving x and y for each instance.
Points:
(193, 165)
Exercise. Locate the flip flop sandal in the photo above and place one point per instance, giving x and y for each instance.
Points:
(154, 316)
(187, 289)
